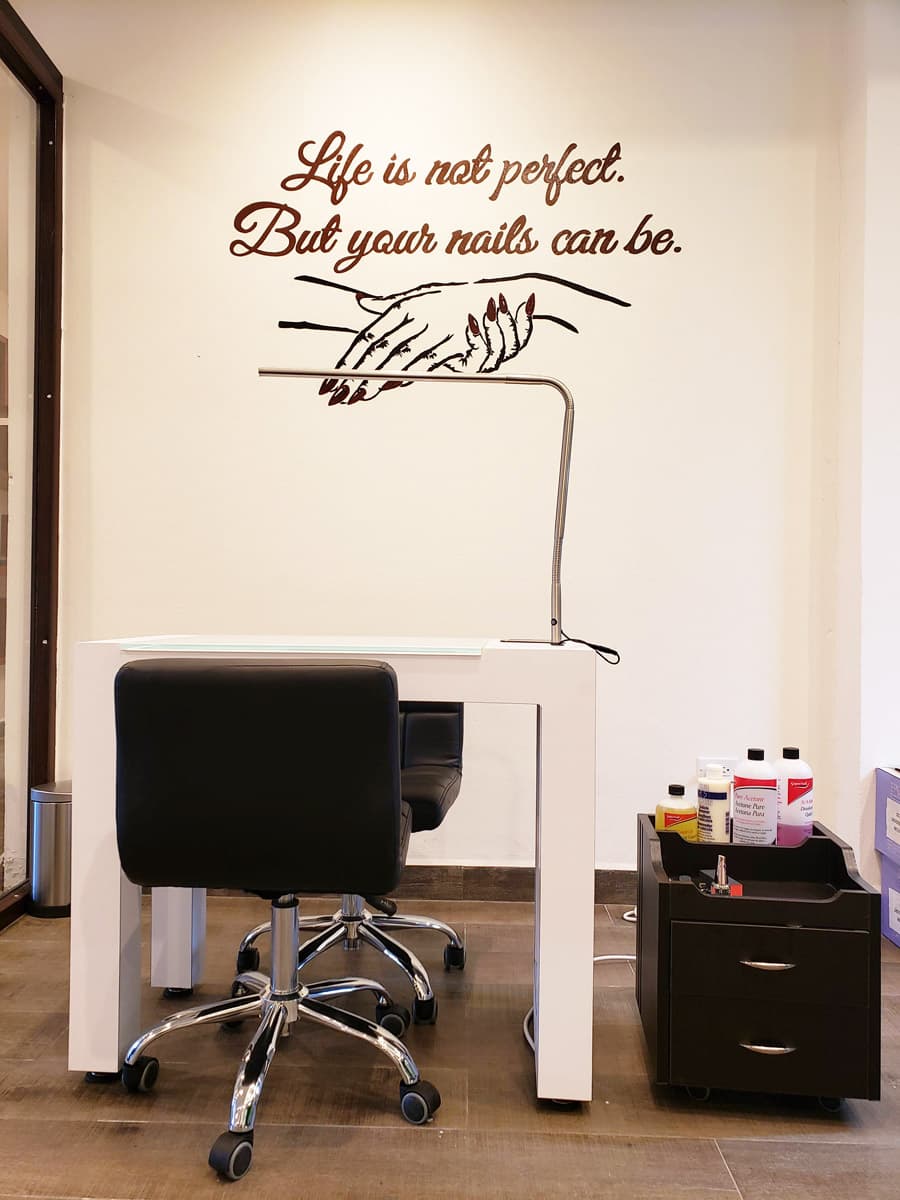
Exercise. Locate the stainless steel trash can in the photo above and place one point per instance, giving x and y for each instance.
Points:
(51, 850)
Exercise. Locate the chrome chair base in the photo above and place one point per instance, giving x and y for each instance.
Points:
(279, 1002)
(354, 924)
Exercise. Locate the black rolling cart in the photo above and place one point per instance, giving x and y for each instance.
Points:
(775, 990)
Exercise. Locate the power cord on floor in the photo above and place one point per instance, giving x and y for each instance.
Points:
(528, 1023)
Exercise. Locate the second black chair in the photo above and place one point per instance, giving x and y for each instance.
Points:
(431, 742)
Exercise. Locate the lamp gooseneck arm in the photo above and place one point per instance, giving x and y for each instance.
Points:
(565, 457)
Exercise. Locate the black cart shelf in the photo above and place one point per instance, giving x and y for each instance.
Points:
(777, 990)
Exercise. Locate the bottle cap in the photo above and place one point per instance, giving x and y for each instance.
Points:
(791, 752)
(756, 755)
(676, 789)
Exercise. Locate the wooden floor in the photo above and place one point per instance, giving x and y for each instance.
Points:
(329, 1124)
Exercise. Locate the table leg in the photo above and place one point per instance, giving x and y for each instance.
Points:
(105, 977)
(177, 937)
(564, 896)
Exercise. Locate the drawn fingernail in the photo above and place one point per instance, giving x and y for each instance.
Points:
(504, 307)
(326, 385)
(474, 326)
(359, 394)
(491, 310)
(391, 383)
(341, 394)
(333, 400)
(529, 304)
(360, 296)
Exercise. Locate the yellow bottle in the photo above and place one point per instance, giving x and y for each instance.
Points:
(677, 815)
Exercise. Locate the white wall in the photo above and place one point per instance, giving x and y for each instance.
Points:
(198, 497)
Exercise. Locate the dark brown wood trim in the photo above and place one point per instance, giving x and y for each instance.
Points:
(12, 904)
(45, 539)
(501, 883)
(25, 57)
(30, 64)
(492, 883)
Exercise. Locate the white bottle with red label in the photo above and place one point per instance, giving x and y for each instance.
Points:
(754, 807)
(795, 798)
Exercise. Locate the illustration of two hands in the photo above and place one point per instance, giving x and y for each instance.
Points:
(459, 328)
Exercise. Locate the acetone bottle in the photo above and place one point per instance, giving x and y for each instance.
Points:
(754, 820)
(795, 798)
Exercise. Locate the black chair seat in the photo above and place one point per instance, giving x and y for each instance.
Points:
(431, 735)
(429, 791)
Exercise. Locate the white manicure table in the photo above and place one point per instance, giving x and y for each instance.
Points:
(558, 681)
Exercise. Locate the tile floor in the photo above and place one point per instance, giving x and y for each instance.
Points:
(329, 1125)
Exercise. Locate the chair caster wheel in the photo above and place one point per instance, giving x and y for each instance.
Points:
(232, 1154)
(248, 960)
(394, 1018)
(141, 1075)
(454, 957)
(831, 1104)
(419, 1101)
(425, 1012)
(702, 1094)
(237, 989)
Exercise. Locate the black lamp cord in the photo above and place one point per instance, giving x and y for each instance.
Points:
(605, 652)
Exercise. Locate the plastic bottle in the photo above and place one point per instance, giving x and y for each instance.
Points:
(676, 814)
(795, 798)
(714, 804)
(754, 819)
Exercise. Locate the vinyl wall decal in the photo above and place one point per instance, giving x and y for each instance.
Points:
(464, 328)
(471, 327)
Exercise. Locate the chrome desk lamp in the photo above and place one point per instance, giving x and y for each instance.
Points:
(562, 487)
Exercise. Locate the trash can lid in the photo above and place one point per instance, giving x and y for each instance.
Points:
(57, 792)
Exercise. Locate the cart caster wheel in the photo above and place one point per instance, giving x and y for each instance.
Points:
(232, 1154)
(566, 1105)
(419, 1101)
(424, 1012)
(701, 1094)
(177, 993)
(248, 960)
(831, 1104)
(454, 957)
(394, 1018)
(237, 989)
(141, 1075)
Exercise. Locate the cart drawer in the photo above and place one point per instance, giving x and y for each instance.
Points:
(806, 1049)
(770, 963)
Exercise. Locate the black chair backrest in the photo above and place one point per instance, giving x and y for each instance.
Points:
(431, 734)
(263, 776)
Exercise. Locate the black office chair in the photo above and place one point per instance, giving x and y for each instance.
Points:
(277, 779)
(431, 740)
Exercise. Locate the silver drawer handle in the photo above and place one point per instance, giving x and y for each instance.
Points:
(757, 1049)
(767, 966)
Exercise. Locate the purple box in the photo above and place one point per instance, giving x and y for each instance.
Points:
(887, 812)
(890, 899)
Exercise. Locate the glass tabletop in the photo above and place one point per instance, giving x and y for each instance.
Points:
(324, 644)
